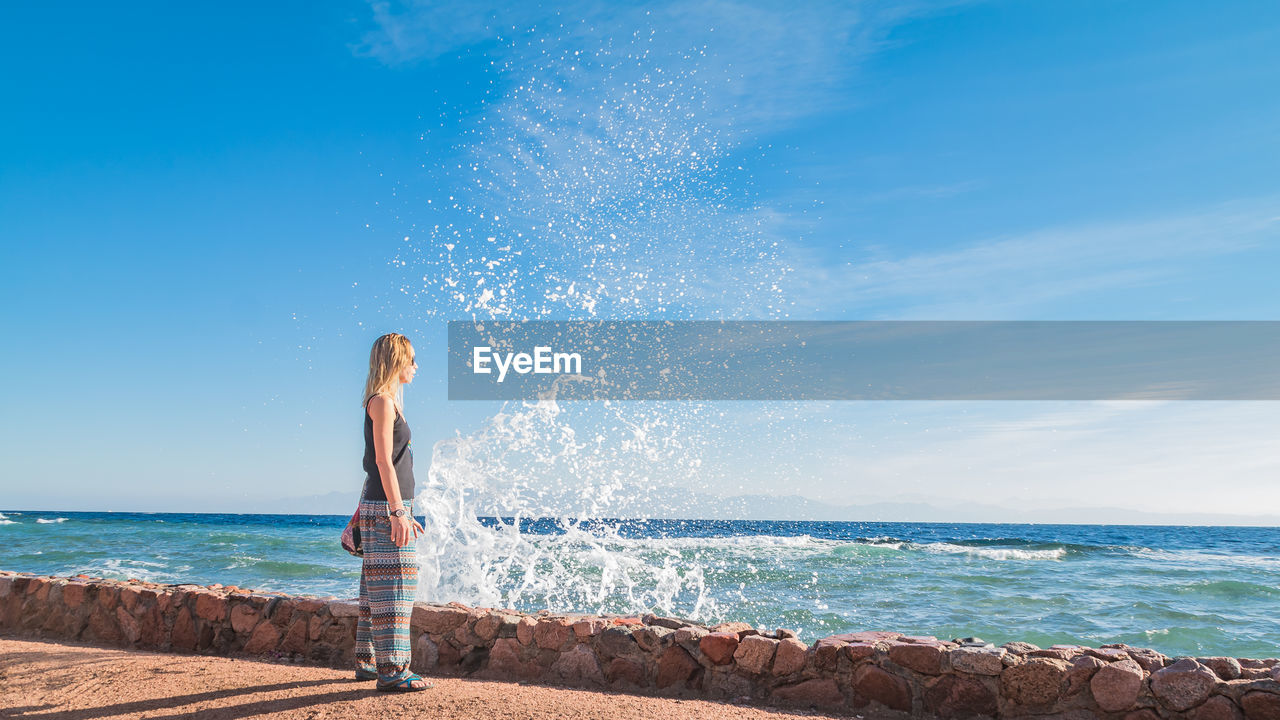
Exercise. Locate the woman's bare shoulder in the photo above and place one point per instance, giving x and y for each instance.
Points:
(381, 405)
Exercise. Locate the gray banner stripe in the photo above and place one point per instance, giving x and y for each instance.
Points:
(890, 360)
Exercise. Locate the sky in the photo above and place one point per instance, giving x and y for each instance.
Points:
(207, 214)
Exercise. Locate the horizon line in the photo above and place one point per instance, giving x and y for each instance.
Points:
(676, 519)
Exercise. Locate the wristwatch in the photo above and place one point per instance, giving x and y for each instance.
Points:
(398, 512)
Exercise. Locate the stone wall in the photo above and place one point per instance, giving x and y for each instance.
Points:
(868, 674)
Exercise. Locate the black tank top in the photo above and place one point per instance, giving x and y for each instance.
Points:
(401, 458)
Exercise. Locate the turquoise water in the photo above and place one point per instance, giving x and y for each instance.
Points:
(1181, 590)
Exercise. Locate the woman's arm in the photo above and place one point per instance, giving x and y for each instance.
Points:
(383, 412)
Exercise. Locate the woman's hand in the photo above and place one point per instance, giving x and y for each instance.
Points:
(404, 529)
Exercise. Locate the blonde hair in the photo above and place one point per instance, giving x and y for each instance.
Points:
(391, 353)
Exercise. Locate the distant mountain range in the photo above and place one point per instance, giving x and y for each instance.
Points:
(672, 503)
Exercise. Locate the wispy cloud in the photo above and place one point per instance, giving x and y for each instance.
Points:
(758, 63)
(415, 30)
(1146, 455)
(1037, 273)
(599, 165)
(909, 192)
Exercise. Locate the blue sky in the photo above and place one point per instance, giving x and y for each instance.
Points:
(203, 215)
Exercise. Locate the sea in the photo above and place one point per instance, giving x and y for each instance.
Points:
(1181, 590)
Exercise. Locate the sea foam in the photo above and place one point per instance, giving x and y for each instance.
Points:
(995, 553)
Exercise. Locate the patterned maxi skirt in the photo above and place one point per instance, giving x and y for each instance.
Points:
(388, 583)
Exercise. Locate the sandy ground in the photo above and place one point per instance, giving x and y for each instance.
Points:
(40, 679)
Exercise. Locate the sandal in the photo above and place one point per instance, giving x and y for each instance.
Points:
(366, 674)
(405, 684)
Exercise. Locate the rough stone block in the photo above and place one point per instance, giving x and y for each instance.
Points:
(1059, 652)
(204, 635)
(689, 637)
(151, 625)
(130, 597)
(280, 611)
(1216, 707)
(486, 627)
(626, 671)
(504, 660)
(1109, 654)
(464, 636)
(524, 630)
(873, 683)
(449, 655)
(426, 654)
(579, 666)
(1116, 685)
(128, 625)
(264, 639)
(309, 605)
(959, 696)
(859, 651)
(244, 618)
(868, 636)
(820, 693)
(438, 620)
(56, 620)
(923, 657)
(587, 628)
(977, 661)
(666, 622)
(1083, 668)
(209, 606)
(653, 638)
(675, 667)
(315, 627)
(1183, 685)
(507, 625)
(722, 683)
(826, 652)
(553, 633)
(295, 638)
(104, 628)
(1260, 705)
(1225, 668)
(738, 628)
(618, 641)
(918, 639)
(1149, 659)
(1034, 682)
(718, 647)
(755, 653)
(790, 657)
(183, 635)
(1020, 648)
(33, 612)
(73, 594)
(345, 608)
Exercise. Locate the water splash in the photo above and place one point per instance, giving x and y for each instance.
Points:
(600, 178)
(528, 462)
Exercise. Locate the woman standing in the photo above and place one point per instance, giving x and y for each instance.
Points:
(388, 530)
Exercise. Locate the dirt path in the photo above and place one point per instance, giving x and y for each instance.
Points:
(40, 679)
